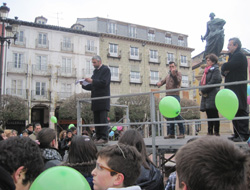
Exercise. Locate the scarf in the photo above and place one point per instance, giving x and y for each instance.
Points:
(203, 79)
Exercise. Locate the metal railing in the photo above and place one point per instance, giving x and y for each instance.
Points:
(153, 121)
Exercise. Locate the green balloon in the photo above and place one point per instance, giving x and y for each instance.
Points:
(60, 178)
(53, 119)
(169, 107)
(71, 125)
(114, 128)
(227, 103)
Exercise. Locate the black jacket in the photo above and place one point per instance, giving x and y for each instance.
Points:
(100, 87)
(6, 181)
(213, 77)
(150, 179)
(237, 67)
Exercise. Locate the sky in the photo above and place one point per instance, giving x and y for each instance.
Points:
(182, 16)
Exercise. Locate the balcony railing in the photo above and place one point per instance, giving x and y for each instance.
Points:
(40, 95)
(117, 55)
(91, 49)
(17, 67)
(64, 95)
(134, 57)
(21, 43)
(66, 72)
(42, 45)
(116, 78)
(17, 92)
(68, 47)
(154, 60)
(41, 70)
(185, 64)
(87, 73)
(136, 80)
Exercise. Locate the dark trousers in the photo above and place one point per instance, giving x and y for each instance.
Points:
(99, 118)
(241, 127)
(170, 127)
(213, 126)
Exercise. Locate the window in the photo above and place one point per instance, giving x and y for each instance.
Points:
(18, 60)
(132, 31)
(112, 28)
(151, 35)
(90, 45)
(66, 65)
(114, 73)
(20, 36)
(135, 76)
(41, 63)
(113, 50)
(181, 41)
(168, 39)
(170, 57)
(153, 55)
(42, 39)
(67, 42)
(40, 88)
(184, 61)
(184, 81)
(89, 68)
(154, 77)
(16, 87)
(134, 52)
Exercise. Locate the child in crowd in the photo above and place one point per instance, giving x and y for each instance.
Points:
(117, 166)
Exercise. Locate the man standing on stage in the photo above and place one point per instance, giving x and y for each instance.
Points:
(236, 70)
(99, 85)
(172, 81)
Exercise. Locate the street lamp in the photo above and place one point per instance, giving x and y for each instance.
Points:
(10, 29)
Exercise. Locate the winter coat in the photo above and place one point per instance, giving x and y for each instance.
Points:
(100, 87)
(6, 180)
(237, 67)
(51, 157)
(208, 94)
(172, 82)
(150, 179)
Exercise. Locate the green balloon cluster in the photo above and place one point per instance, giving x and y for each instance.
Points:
(60, 178)
(227, 103)
(169, 107)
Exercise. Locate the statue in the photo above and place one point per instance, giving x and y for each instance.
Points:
(214, 36)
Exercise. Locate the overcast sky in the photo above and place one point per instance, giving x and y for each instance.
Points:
(182, 16)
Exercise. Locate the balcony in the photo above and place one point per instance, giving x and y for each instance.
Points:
(156, 60)
(40, 95)
(41, 70)
(87, 73)
(134, 57)
(17, 92)
(66, 72)
(64, 95)
(67, 47)
(136, 80)
(42, 44)
(185, 64)
(91, 50)
(21, 43)
(116, 55)
(20, 68)
(116, 77)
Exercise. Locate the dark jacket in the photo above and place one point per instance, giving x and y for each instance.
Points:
(237, 67)
(208, 97)
(100, 87)
(150, 179)
(6, 181)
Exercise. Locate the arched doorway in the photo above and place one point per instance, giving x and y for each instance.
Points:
(40, 114)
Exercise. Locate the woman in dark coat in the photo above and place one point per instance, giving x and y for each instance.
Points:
(210, 76)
